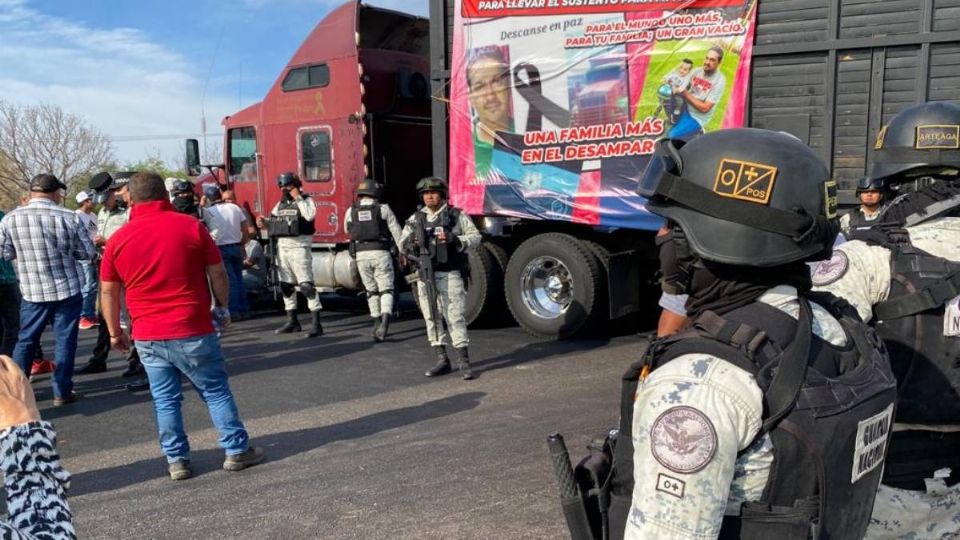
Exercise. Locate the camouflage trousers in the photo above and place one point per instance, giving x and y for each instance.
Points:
(902, 513)
(296, 267)
(451, 302)
(376, 273)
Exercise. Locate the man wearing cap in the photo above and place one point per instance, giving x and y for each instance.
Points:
(47, 240)
(228, 226)
(88, 313)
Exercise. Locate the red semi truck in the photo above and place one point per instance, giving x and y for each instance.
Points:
(355, 101)
(378, 93)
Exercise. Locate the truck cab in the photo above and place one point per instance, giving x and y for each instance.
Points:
(353, 102)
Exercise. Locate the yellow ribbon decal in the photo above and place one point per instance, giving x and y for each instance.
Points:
(318, 101)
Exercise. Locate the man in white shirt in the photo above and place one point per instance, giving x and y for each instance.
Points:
(88, 313)
(228, 225)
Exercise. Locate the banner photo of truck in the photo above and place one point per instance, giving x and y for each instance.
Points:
(555, 105)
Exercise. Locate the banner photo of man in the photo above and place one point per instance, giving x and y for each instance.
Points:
(555, 106)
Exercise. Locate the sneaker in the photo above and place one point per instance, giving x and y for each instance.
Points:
(138, 385)
(239, 462)
(91, 368)
(41, 366)
(64, 400)
(133, 369)
(87, 323)
(179, 470)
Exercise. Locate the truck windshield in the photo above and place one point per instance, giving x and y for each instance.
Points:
(243, 154)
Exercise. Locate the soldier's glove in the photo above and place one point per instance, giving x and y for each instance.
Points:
(454, 242)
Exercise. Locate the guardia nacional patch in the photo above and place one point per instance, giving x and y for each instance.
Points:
(683, 440)
(826, 272)
(744, 180)
(935, 137)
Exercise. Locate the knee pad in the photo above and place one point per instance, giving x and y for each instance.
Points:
(287, 289)
(307, 289)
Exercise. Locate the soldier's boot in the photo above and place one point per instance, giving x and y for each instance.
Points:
(317, 328)
(442, 366)
(464, 360)
(375, 329)
(381, 331)
(292, 324)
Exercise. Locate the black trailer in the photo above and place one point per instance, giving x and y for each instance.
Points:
(831, 72)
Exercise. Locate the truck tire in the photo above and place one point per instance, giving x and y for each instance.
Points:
(485, 297)
(554, 286)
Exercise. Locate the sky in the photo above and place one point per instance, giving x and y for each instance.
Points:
(145, 72)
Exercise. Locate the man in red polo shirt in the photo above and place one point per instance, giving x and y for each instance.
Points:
(163, 260)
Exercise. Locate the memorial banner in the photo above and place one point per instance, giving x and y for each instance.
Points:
(555, 105)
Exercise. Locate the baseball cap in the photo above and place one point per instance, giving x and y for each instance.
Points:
(212, 192)
(83, 197)
(121, 179)
(46, 183)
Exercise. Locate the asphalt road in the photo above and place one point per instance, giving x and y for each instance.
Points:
(359, 443)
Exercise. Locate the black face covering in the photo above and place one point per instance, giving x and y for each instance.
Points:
(185, 205)
(676, 272)
(722, 288)
(286, 196)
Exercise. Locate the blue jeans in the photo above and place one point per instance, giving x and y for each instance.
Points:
(200, 359)
(89, 290)
(686, 127)
(233, 261)
(34, 317)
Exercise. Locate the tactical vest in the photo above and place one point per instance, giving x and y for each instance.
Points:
(828, 418)
(368, 229)
(925, 361)
(444, 257)
(858, 219)
(297, 224)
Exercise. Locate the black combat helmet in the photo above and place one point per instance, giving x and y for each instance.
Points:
(432, 183)
(921, 140)
(869, 184)
(747, 197)
(288, 179)
(182, 186)
(369, 188)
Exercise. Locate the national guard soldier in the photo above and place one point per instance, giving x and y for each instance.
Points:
(185, 199)
(870, 193)
(769, 416)
(443, 234)
(292, 223)
(374, 237)
(114, 213)
(904, 275)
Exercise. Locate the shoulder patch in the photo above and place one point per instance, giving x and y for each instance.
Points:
(826, 272)
(683, 440)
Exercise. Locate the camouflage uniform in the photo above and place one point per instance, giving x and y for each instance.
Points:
(296, 259)
(376, 266)
(720, 406)
(451, 294)
(860, 274)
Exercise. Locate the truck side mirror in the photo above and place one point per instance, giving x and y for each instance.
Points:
(193, 158)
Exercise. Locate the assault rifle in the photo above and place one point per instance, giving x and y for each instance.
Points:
(419, 254)
(273, 259)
